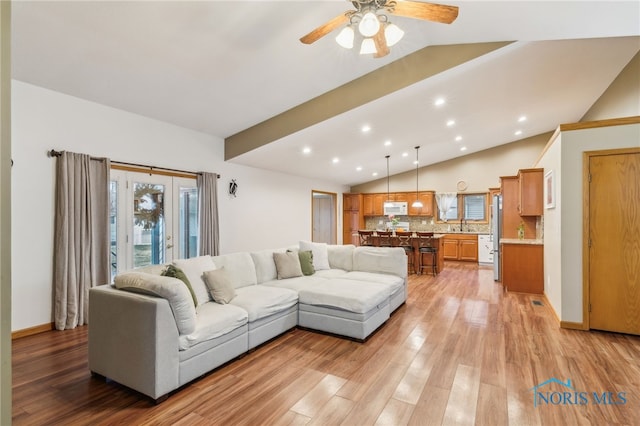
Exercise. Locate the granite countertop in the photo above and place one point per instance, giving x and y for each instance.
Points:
(519, 241)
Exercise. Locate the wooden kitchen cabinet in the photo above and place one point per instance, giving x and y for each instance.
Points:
(530, 192)
(522, 268)
(512, 199)
(426, 197)
(352, 218)
(372, 204)
(399, 197)
(462, 247)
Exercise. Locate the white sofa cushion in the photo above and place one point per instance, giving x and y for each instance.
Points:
(172, 289)
(341, 256)
(297, 283)
(193, 268)
(394, 282)
(213, 320)
(386, 260)
(265, 265)
(261, 301)
(330, 273)
(240, 268)
(350, 295)
(320, 254)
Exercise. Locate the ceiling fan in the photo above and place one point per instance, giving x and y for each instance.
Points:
(374, 26)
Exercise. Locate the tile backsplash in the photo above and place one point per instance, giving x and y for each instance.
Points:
(427, 224)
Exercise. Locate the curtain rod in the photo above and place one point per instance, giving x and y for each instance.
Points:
(54, 153)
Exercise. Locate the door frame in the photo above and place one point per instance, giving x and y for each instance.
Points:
(586, 204)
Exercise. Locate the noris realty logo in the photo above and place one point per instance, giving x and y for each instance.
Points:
(569, 396)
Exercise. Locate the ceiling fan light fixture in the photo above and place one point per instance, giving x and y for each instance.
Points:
(369, 24)
(345, 37)
(393, 34)
(368, 46)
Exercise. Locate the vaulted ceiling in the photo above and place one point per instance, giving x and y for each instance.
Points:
(222, 67)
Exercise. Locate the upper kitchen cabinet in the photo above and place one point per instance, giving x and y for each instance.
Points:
(530, 192)
(399, 197)
(352, 219)
(372, 204)
(426, 198)
(351, 201)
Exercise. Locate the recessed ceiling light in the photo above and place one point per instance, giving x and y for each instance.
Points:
(336, 160)
(366, 128)
(306, 150)
(463, 148)
(415, 163)
(358, 169)
(458, 138)
(518, 132)
(522, 118)
(439, 102)
(387, 143)
(374, 174)
(405, 154)
(451, 123)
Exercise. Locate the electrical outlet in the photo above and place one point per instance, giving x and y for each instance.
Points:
(424, 222)
(379, 222)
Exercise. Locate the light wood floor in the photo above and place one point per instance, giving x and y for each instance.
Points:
(459, 352)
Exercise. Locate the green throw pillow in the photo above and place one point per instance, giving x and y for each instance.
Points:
(306, 262)
(174, 272)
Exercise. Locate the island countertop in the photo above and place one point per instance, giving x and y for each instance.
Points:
(523, 241)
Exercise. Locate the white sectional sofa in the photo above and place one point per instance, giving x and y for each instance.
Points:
(160, 335)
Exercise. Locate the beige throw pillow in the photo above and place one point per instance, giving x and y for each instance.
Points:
(219, 283)
(287, 265)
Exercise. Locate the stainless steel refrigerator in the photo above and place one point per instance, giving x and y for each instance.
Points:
(496, 233)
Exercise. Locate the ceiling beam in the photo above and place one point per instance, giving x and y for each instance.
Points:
(394, 76)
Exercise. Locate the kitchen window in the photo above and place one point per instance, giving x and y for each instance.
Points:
(469, 207)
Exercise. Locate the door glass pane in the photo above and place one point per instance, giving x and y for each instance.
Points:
(188, 222)
(148, 224)
(113, 226)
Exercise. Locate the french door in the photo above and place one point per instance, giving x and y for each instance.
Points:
(153, 219)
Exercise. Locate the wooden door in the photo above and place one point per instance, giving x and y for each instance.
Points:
(323, 217)
(613, 234)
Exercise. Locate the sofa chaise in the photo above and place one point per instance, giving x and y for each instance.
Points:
(152, 333)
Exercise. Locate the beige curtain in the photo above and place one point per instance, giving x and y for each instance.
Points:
(81, 235)
(208, 214)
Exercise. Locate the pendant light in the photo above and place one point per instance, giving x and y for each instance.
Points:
(417, 204)
(388, 203)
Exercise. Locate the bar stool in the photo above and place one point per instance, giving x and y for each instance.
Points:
(427, 249)
(384, 239)
(366, 238)
(403, 239)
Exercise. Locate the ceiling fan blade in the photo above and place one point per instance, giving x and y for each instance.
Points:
(325, 29)
(427, 11)
(381, 44)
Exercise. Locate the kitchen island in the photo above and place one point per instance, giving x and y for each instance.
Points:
(415, 242)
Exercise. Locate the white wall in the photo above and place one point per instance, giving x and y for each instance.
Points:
(564, 287)
(552, 227)
(271, 209)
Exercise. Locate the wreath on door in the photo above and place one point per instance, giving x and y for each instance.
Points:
(148, 206)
